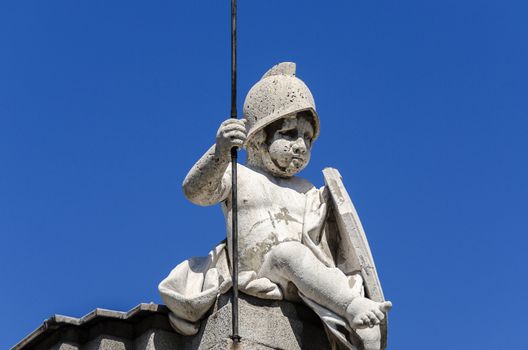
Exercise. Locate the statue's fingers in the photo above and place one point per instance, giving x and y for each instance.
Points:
(230, 129)
(233, 122)
(380, 315)
(359, 322)
(373, 319)
(237, 143)
(233, 127)
(228, 121)
(366, 321)
(385, 306)
(236, 134)
(239, 123)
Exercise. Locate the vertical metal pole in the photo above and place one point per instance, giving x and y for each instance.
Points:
(234, 201)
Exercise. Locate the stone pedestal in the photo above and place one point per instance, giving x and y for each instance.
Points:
(263, 325)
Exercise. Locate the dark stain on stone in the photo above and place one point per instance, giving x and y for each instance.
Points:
(284, 214)
(271, 218)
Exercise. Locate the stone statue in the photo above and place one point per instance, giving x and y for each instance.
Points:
(296, 242)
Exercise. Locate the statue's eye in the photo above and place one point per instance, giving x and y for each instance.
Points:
(292, 133)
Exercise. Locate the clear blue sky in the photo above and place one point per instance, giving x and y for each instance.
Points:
(105, 105)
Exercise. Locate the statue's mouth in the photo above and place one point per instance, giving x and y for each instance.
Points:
(297, 162)
(294, 165)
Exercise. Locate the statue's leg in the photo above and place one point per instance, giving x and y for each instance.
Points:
(293, 262)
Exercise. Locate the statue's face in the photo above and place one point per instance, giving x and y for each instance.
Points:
(289, 143)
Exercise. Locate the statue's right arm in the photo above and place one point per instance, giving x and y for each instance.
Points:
(208, 182)
(205, 183)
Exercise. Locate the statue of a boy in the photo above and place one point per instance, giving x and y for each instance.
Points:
(284, 252)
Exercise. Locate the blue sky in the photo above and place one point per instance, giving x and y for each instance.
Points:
(105, 106)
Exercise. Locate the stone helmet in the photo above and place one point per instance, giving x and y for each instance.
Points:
(277, 94)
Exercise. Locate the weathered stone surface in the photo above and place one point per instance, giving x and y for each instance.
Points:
(65, 346)
(263, 325)
(277, 94)
(106, 342)
(295, 242)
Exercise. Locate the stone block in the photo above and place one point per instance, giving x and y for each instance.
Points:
(264, 325)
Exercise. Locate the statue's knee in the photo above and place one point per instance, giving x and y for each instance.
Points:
(286, 254)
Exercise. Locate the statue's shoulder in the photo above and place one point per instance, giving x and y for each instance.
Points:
(246, 172)
(251, 177)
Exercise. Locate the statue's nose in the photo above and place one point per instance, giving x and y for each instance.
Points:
(299, 147)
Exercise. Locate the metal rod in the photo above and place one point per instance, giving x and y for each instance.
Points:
(233, 59)
(234, 201)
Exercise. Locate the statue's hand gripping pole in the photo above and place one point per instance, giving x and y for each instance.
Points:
(234, 201)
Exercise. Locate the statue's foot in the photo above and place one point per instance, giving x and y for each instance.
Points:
(363, 312)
